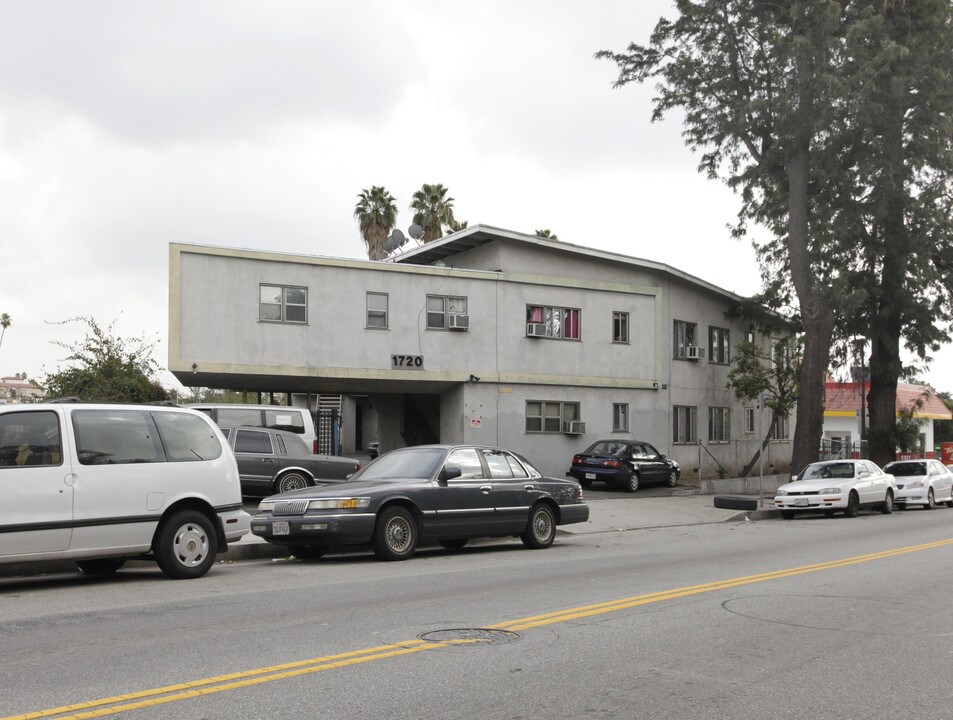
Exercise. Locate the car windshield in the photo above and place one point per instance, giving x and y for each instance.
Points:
(906, 469)
(416, 463)
(606, 447)
(828, 470)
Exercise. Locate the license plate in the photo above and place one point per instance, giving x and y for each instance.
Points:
(590, 476)
(280, 528)
(800, 502)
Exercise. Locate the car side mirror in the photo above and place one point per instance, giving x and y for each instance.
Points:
(450, 472)
(793, 478)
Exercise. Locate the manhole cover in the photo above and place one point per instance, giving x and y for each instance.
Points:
(477, 636)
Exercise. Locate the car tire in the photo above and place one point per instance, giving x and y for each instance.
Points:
(931, 500)
(541, 529)
(395, 535)
(185, 545)
(292, 481)
(100, 566)
(672, 477)
(454, 544)
(949, 503)
(632, 485)
(853, 505)
(308, 552)
(585, 483)
(887, 506)
(787, 514)
(828, 513)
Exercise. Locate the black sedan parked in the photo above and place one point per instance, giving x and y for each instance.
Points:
(625, 463)
(273, 461)
(447, 493)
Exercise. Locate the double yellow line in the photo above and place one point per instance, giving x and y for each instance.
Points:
(223, 683)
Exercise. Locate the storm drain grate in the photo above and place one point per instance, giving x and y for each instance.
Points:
(476, 636)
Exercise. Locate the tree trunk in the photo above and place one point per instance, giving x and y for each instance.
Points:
(817, 317)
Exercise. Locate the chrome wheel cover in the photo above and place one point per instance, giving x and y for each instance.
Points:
(542, 525)
(190, 545)
(398, 534)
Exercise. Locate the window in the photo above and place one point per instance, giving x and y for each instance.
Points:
(468, 461)
(440, 307)
(559, 323)
(186, 438)
(686, 335)
(718, 339)
(283, 303)
(749, 419)
(620, 327)
(253, 441)
(377, 310)
(620, 417)
(548, 417)
(749, 336)
(116, 437)
(718, 424)
(782, 428)
(30, 438)
(685, 421)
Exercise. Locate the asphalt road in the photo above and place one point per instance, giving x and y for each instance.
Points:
(812, 618)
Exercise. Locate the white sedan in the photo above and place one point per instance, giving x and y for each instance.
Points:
(921, 482)
(832, 485)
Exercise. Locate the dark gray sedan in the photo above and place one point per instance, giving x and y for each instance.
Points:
(443, 493)
(274, 461)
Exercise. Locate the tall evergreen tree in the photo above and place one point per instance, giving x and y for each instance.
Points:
(5, 322)
(432, 211)
(376, 214)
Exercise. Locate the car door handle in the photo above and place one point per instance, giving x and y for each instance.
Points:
(486, 489)
(529, 488)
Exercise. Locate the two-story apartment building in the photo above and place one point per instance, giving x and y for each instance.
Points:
(486, 336)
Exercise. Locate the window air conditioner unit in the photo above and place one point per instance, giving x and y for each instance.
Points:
(459, 322)
(574, 427)
(693, 352)
(535, 330)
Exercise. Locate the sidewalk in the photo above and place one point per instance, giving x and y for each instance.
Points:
(610, 512)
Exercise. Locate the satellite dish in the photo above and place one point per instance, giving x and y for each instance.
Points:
(416, 232)
(395, 240)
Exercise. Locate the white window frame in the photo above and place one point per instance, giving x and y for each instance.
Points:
(285, 308)
(685, 425)
(376, 312)
(719, 341)
(719, 424)
(685, 334)
(450, 305)
(620, 417)
(620, 327)
(782, 428)
(749, 420)
(553, 318)
(551, 416)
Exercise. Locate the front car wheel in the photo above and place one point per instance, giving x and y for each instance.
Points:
(395, 535)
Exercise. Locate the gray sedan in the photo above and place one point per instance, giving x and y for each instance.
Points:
(443, 493)
(274, 461)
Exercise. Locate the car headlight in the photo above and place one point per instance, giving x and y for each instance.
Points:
(354, 503)
(915, 484)
(782, 492)
(266, 506)
(831, 491)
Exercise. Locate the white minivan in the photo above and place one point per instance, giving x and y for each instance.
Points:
(98, 484)
(277, 417)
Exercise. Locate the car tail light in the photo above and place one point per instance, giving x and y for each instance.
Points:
(357, 466)
(611, 463)
(576, 460)
(315, 450)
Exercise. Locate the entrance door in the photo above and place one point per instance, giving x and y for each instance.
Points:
(36, 493)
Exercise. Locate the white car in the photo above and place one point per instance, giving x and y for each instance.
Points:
(833, 485)
(921, 482)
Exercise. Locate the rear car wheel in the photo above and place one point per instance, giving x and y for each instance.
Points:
(185, 545)
(308, 552)
(100, 566)
(395, 535)
(633, 484)
(853, 505)
(787, 514)
(586, 483)
(291, 481)
(541, 529)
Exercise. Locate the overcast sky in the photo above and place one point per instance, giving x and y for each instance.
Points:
(125, 126)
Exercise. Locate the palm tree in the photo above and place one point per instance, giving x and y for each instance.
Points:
(432, 210)
(5, 322)
(376, 213)
(546, 234)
